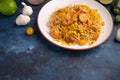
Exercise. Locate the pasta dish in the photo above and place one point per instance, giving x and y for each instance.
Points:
(75, 25)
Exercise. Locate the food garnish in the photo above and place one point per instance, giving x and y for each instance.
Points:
(106, 1)
(29, 31)
(8, 7)
(22, 19)
(27, 10)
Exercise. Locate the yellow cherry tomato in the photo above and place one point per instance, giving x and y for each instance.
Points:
(29, 31)
(82, 42)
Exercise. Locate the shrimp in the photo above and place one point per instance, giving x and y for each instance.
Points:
(70, 39)
(95, 37)
(81, 9)
(89, 22)
(84, 9)
(83, 17)
(69, 18)
(55, 33)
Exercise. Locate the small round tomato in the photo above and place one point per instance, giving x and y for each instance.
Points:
(82, 42)
(29, 31)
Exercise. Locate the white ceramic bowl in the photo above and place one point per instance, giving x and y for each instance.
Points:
(53, 5)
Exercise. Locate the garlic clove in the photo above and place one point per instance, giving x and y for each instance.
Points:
(22, 19)
(118, 35)
(27, 10)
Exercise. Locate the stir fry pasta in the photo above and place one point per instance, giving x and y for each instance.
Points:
(78, 24)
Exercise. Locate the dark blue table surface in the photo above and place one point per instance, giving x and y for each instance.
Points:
(25, 57)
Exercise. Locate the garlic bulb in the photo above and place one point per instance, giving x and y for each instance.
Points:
(22, 19)
(27, 10)
(118, 35)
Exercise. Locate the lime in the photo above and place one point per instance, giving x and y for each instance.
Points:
(8, 7)
(106, 1)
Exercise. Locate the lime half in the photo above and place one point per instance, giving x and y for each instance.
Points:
(106, 1)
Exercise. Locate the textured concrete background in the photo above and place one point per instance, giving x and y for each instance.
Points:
(25, 57)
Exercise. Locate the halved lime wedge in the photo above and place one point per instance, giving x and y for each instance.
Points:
(106, 1)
